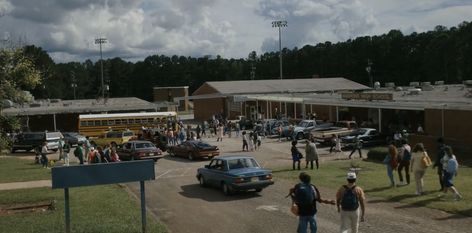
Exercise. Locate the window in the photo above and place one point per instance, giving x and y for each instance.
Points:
(242, 163)
(131, 121)
(111, 122)
(97, 123)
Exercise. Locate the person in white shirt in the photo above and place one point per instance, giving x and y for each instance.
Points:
(44, 156)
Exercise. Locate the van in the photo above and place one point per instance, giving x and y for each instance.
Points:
(30, 140)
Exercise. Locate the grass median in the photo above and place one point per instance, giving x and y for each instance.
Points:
(20, 169)
(372, 177)
(103, 208)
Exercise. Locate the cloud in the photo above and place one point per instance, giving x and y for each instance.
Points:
(138, 28)
(336, 19)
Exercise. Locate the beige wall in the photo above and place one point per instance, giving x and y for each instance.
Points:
(204, 109)
(168, 94)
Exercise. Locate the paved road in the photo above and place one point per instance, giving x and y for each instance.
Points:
(177, 199)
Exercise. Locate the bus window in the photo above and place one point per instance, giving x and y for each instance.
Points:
(131, 121)
(111, 122)
(83, 123)
(117, 122)
(97, 123)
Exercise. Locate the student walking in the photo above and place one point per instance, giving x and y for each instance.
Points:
(245, 145)
(404, 158)
(311, 154)
(450, 167)
(79, 153)
(391, 161)
(419, 162)
(437, 162)
(66, 149)
(304, 197)
(296, 155)
(357, 146)
(44, 155)
(348, 199)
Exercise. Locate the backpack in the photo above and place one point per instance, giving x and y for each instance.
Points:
(96, 158)
(77, 152)
(349, 201)
(304, 194)
(452, 166)
(406, 154)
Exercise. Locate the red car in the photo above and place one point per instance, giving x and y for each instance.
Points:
(193, 149)
(136, 150)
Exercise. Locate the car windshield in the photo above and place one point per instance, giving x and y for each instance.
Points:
(33, 136)
(303, 124)
(359, 131)
(202, 144)
(242, 163)
(128, 133)
(144, 145)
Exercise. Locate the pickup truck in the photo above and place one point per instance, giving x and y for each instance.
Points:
(341, 128)
(305, 127)
(113, 137)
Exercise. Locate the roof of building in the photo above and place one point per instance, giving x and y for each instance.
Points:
(171, 87)
(57, 106)
(456, 97)
(282, 86)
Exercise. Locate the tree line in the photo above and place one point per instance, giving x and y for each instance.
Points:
(440, 54)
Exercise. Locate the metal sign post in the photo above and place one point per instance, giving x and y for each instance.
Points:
(100, 174)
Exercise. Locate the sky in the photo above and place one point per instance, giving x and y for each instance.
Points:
(135, 29)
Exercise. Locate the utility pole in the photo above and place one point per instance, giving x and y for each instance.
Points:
(279, 24)
(74, 82)
(369, 70)
(101, 41)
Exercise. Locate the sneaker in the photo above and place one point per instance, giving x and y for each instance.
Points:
(457, 197)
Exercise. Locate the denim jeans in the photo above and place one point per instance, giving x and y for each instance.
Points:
(303, 222)
(390, 175)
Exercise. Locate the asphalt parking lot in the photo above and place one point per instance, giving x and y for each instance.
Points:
(176, 198)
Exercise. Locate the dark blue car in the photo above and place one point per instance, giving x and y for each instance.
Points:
(234, 173)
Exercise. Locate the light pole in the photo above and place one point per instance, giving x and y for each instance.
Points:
(73, 85)
(279, 24)
(369, 69)
(101, 41)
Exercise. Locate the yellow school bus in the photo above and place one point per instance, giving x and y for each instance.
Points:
(94, 125)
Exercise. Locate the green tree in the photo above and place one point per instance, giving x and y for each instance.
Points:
(18, 73)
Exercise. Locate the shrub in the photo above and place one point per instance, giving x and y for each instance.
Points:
(377, 154)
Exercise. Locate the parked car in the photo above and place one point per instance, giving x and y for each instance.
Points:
(137, 150)
(340, 129)
(74, 138)
(235, 173)
(30, 140)
(275, 124)
(368, 137)
(113, 137)
(193, 149)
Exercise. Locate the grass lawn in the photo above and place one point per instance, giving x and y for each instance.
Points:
(103, 208)
(16, 170)
(373, 179)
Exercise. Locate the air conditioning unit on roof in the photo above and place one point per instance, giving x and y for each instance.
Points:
(414, 84)
(390, 85)
(439, 83)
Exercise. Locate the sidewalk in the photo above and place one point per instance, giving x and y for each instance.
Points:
(25, 185)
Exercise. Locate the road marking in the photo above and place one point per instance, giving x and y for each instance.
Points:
(268, 207)
(163, 174)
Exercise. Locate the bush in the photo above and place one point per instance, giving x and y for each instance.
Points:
(377, 154)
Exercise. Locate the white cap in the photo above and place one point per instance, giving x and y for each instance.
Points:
(351, 176)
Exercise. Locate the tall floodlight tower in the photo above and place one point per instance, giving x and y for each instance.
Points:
(279, 24)
(101, 41)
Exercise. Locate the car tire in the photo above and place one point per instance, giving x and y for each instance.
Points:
(202, 181)
(258, 190)
(171, 152)
(226, 189)
(300, 136)
(190, 156)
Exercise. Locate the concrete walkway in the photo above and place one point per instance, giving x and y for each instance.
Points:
(25, 185)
